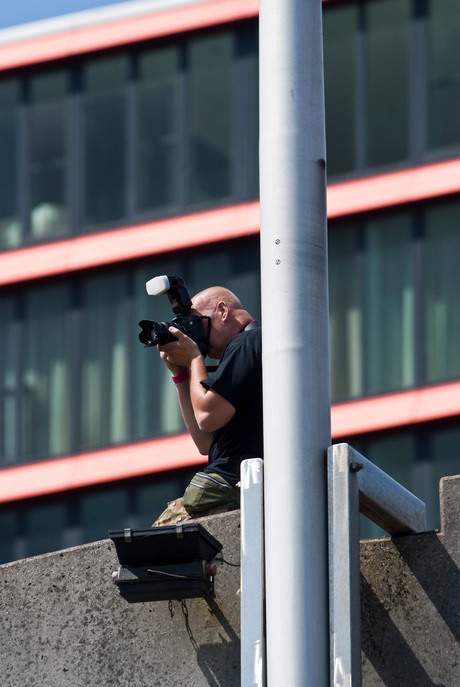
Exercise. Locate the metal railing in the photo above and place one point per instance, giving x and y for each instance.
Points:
(356, 485)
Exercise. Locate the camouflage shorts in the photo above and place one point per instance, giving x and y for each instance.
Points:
(207, 494)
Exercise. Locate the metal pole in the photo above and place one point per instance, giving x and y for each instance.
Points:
(295, 341)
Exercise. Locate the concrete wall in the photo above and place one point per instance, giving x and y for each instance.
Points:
(410, 604)
(64, 623)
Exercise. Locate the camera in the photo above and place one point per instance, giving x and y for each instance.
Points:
(154, 333)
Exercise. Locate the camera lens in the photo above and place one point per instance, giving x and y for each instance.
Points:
(154, 333)
(159, 333)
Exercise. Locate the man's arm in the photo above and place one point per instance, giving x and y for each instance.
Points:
(211, 411)
(202, 439)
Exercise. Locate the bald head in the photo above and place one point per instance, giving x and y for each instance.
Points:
(227, 315)
(210, 297)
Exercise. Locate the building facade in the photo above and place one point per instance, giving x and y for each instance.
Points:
(129, 148)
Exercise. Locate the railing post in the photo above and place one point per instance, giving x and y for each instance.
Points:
(354, 485)
(252, 575)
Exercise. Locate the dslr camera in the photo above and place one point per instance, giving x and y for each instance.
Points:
(154, 333)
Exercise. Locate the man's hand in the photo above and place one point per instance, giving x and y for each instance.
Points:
(178, 355)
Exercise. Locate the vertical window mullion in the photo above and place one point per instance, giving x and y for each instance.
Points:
(419, 286)
(184, 126)
(75, 357)
(361, 91)
(131, 137)
(75, 136)
(418, 82)
(24, 161)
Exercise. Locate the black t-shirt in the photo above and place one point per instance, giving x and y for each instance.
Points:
(239, 380)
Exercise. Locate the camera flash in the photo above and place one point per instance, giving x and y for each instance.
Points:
(157, 285)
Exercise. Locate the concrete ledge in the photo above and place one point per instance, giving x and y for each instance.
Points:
(64, 623)
(410, 604)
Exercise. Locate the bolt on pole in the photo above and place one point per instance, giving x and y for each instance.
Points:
(295, 341)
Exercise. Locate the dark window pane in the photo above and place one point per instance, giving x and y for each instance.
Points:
(340, 27)
(100, 512)
(104, 374)
(210, 120)
(10, 230)
(444, 73)
(158, 142)
(8, 381)
(442, 293)
(246, 160)
(44, 528)
(104, 140)
(46, 387)
(390, 305)
(8, 540)
(151, 499)
(48, 163)
(345, 313)
(388, 30)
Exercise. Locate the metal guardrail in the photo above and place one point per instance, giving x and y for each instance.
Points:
(357, 485)
(252, 574)
(354, 485)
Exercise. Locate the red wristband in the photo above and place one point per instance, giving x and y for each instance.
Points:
(183, 377)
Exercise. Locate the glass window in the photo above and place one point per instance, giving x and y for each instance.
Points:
(10, 228)
(340, 28)
(48, 155)
(345, 313)
(390, 304)
(104, 367)
(210, 117)
(159, 135)
(46, 389)
(10, 534)
(102, 511)
(444, 73)
(8, 381)
(151, 499)
(388, 51)
(442, 293)
(246, 160)
(45, 527)
(104, 174)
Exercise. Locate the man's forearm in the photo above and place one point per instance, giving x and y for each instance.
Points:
(202, 439)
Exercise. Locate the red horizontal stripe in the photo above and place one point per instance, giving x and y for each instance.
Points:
(394, 188)
(120, 245)
(401, 409)
(88, 39)
(212, 226)
(98, 467)
(364, 416)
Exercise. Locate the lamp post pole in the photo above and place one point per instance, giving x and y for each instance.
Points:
(295, 341)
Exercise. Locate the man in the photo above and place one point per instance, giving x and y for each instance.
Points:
(224, 413)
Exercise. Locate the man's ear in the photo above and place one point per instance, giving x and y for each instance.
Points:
(222, 309)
